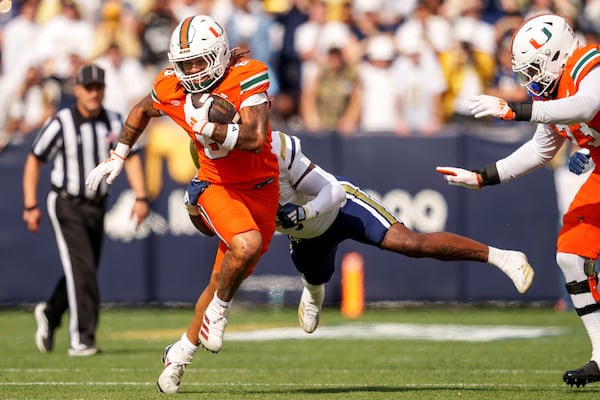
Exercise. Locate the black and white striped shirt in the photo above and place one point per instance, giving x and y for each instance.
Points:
(77, 146)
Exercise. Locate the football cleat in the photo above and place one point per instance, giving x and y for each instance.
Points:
(309, 309)
(175, 360)
(83, 351)
(44, 336)
(519, 271)
(580, 376)
(213, 327)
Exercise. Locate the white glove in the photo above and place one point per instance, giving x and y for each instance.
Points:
(197, 118)
(112, 167)
(460, 177)
(484, 105)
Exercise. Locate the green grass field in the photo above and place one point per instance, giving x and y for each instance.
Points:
(308, 367)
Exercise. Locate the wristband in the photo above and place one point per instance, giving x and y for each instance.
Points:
(122, 150)
(207, 129)
(522, 110)
(31, 208)
(489, 175)
(233, 132)
(143, 199)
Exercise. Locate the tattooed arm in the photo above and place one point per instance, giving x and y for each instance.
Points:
(253, 128)
(138, 120)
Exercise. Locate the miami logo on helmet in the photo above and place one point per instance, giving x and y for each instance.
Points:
(535, 43)
(186, 34)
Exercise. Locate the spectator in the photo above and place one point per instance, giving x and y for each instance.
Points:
(287, 62)
(35, 101)
(63, 37)
(118, 24)
(315, 36)
(154, 32)
(185, 8)
(426, 23)
(467, 69)
(367, 19)
(126, 80)
(379, 105)
(249, 28)
(331, 99)
(420, 86)
(18, 35)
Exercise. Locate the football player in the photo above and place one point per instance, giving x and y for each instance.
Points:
(318, 211)
(563, 79)
(238, 174)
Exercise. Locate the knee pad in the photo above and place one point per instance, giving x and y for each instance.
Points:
(582, 282)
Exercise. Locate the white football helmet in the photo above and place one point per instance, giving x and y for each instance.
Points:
(540, 49)
(202, 39)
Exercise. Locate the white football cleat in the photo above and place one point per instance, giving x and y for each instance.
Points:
(83, 351)
(175, 359)
(519, 270)
(213, 327)
(309, 309)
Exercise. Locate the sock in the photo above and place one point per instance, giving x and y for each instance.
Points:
(592, 325)
(497, 257)
(219, 302)
(315, 290)
(188, 347)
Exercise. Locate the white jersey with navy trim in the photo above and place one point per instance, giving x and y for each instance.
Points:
(293, 167)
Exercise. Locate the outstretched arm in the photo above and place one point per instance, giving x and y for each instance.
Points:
(542, 147)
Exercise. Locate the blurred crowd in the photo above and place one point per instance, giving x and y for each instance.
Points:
(347, 66)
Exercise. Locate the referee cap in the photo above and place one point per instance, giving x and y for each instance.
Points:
(90, 74)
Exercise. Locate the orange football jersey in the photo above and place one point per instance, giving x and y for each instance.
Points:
(217, 165)
(577, 67)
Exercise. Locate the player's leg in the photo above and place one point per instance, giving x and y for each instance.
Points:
(578, 247)
(448, 246)
(367, 220)
(582, 286)
(246, 225)
(315, 260)
(177, 356)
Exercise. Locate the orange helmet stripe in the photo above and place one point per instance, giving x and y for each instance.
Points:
(184, 33)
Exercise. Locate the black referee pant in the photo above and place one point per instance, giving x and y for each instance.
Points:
(79, 231)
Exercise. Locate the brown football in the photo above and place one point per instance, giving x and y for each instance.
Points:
(221, 110)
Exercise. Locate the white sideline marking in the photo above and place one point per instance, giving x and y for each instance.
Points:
(434, 332)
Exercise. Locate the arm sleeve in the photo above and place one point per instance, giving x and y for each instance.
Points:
(330, 195)
(542, 147)
(582, 106)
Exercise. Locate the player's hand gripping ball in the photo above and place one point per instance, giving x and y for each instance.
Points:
(221, 110)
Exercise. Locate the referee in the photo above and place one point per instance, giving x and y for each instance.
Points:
(76, 139)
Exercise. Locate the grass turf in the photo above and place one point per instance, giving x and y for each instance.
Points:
(133, 339)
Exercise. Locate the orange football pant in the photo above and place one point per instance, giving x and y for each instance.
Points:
(580, 233)
(230, 211)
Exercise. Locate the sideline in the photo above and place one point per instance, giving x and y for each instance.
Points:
(400, 331)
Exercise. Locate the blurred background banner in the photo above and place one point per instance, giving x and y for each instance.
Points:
(166, 260)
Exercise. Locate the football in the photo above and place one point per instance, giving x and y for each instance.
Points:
(221, 110)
